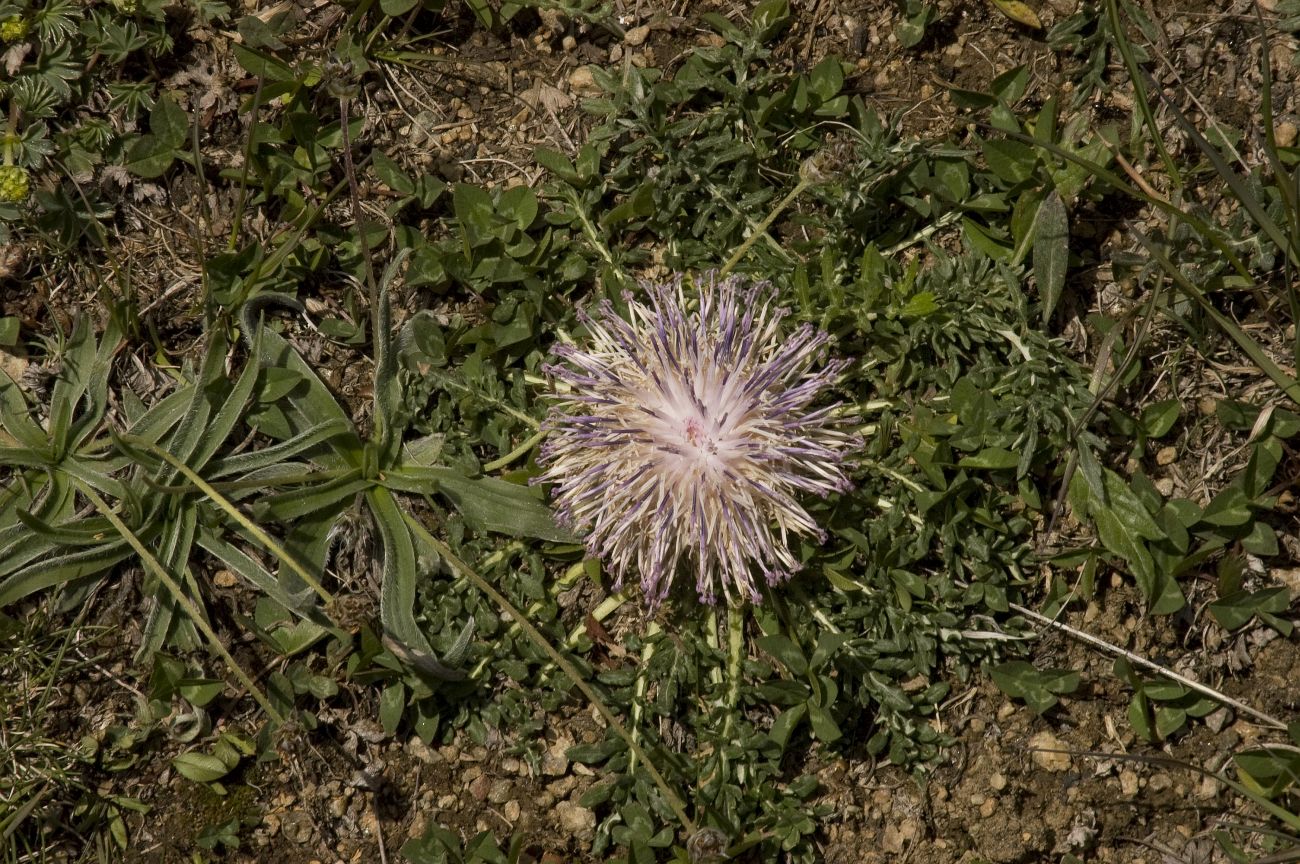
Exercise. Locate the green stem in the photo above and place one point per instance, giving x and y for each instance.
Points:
(531, 442)
(735, 664)
(464, 570)
(638, 700)
(804, 183)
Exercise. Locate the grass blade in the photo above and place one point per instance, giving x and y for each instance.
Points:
(1286, 383)
(59, 569)
(233, 512)
(266, 457)
(152, 565)
(397, 591)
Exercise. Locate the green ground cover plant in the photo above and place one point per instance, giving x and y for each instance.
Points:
(1001, 475)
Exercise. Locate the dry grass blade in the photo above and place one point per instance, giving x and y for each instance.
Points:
(1139, 660)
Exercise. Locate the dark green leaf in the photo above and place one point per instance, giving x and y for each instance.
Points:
(785, 651)
(1051, 251)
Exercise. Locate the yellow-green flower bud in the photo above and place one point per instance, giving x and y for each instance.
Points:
(13, 29)
(14, 183)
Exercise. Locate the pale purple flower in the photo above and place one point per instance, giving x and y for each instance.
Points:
(684, 433)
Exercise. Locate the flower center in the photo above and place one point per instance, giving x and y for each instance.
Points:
(695, 432)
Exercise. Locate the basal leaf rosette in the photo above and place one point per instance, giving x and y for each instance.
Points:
(683, 436)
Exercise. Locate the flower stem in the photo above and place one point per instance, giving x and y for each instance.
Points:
(638, 701)
(735, 664)
(464, 570)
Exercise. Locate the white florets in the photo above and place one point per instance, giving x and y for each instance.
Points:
(681, 437)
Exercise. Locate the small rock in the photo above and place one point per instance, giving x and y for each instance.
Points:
(578, 822)
(569, 44)
(509, 765)
(1218, 718)
(1005, 710)
(1207, 406)
(1166, 456)
(1128, 783)
(472, 773)
(637, 35)
(897, 837)
(1285, 133)
(422, 751)
(988, 807)
(1165, 486)
(500, 791)
(997, 782)
(555, 761)
(1054, 762)
(562, 787)
(583, 82)
(447, 802)
(224, 579)
(337, 807)
(1159, 783)
(296, 826)
(271, 823)
(1208, 789)
(480, 788)
(512, 811)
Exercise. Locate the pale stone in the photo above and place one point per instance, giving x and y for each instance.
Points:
(1045, 741)
(583, 82)
(578, 822)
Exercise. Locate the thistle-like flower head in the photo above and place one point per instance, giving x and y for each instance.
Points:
(683, 435)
